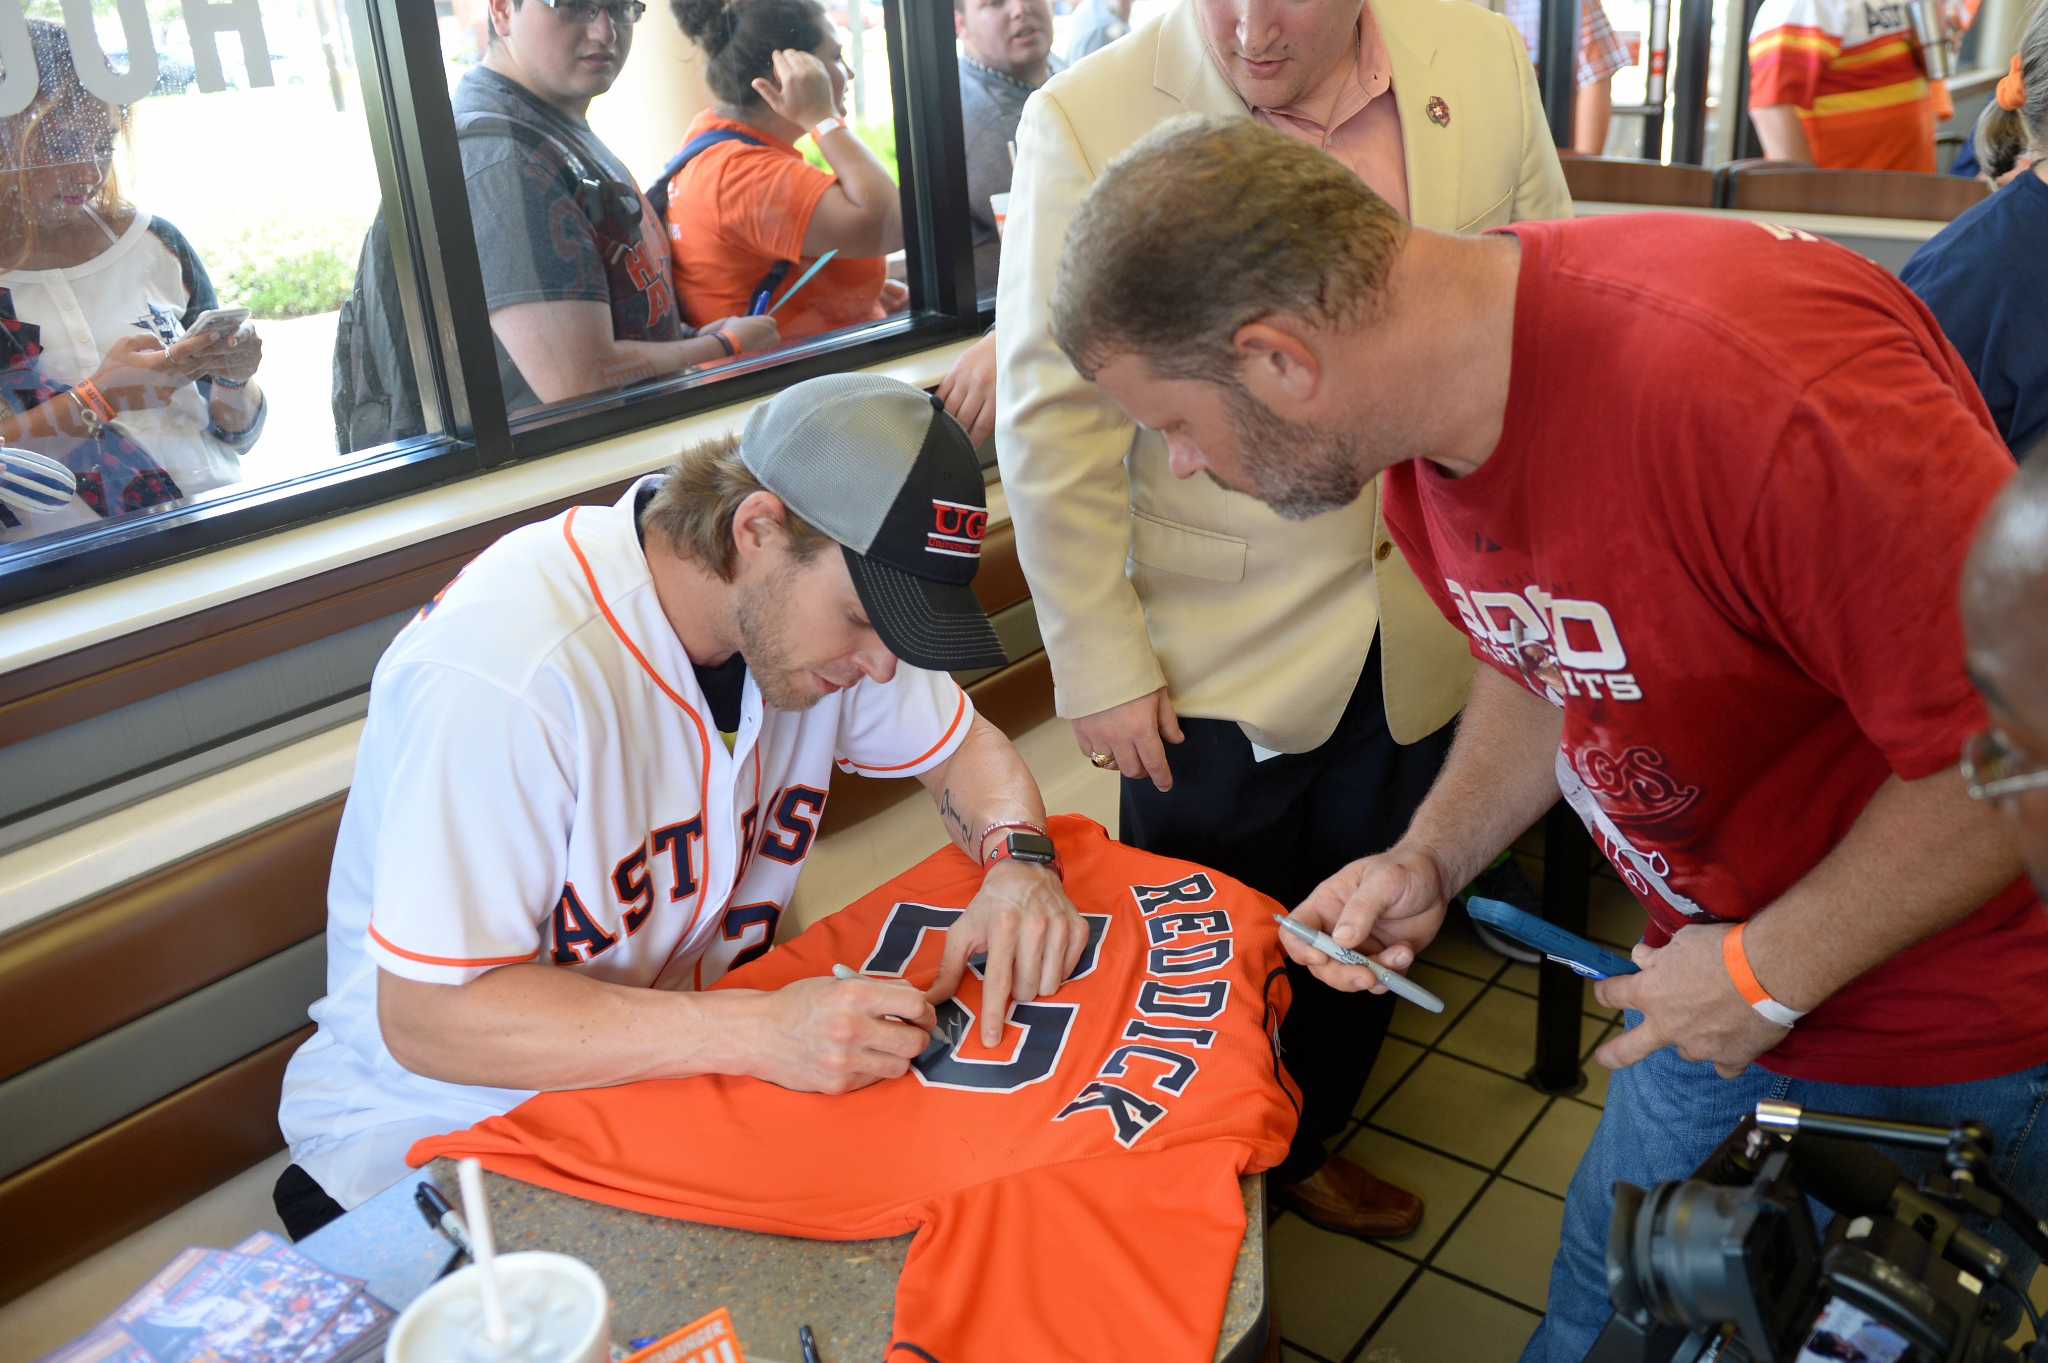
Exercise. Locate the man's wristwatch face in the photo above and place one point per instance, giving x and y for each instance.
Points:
(1032, 847)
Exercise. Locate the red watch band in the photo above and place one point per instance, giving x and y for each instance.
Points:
(1022, 825)
(1002, 853)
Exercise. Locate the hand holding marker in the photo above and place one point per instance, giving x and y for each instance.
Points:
(1395, 982)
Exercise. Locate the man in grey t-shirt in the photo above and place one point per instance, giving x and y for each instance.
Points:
(1005, 54)
(575, 261)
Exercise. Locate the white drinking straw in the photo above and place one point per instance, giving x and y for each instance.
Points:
(477, 1213)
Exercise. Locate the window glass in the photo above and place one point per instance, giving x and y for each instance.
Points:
(186, 191)
(1007, 49)
(784, 223)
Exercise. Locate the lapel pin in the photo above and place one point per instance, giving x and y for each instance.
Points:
(1439, 112)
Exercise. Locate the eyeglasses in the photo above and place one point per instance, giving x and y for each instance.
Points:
(583, 13)
(1994, 768)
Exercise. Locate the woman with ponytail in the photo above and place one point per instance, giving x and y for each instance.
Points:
(747, 215)
(1985, 276)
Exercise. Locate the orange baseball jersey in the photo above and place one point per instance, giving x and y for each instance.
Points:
(1850, 69)
(1073, 1192)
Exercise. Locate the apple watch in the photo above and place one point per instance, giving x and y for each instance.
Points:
(1033, 848)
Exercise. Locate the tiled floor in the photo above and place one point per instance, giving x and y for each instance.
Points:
(1448, 1115)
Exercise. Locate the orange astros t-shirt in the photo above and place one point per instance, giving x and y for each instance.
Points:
(735, 212)
(1849, 68)
(1117, 1116)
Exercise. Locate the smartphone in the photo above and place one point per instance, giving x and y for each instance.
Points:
(217, 322)
(1566, 948)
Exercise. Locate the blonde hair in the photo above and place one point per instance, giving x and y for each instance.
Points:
(699, 496)
(58, 92)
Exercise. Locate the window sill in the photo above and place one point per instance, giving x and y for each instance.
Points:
(46, 630)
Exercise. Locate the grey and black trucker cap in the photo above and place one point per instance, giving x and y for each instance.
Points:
(879, 466)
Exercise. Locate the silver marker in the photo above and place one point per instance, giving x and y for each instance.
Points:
(942, 1037)
(1395, 981)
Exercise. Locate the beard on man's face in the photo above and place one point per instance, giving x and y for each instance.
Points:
(1297, 469)
(764, 620)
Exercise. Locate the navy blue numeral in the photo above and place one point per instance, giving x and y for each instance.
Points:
(743, 916)
(902, 934)
(1038, 1053)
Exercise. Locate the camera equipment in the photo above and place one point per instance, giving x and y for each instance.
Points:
(1728, 1265)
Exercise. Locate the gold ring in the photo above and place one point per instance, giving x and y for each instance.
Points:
(1103, 760)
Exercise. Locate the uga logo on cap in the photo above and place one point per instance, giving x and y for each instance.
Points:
(957, 529)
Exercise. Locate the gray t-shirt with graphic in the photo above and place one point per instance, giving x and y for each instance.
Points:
(537, 244)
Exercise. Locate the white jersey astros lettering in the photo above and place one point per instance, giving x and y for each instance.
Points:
(539, 781)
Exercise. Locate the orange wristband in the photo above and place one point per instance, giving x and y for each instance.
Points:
(1754, 994)
(89, 393)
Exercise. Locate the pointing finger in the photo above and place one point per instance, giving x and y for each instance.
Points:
(951, 967)
(995, 988)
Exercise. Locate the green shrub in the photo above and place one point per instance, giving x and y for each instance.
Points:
(276, 271)
(881, 140)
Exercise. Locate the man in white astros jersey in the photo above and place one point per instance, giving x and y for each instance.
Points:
(595, 764)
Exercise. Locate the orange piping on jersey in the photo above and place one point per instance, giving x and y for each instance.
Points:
(924, 756)
(703, 734)
(760, 830)
(397, 950)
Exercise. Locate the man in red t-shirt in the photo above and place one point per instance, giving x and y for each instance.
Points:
(1699, 493)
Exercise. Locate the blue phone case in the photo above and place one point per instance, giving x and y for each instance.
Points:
(1594, 962)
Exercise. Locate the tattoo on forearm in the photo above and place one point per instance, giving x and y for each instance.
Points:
(957, 821)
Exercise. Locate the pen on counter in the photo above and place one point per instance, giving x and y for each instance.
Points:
(442, 1217)
(1394, 980)
(808, 1343)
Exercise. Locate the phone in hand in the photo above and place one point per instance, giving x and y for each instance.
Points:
(217, 322)
(1566, 948)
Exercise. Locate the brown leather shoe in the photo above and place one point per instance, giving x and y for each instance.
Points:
(1343, 1197)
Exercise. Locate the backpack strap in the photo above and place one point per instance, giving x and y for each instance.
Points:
(657, 193)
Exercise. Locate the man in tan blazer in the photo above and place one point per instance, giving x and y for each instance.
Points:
(1276, 693)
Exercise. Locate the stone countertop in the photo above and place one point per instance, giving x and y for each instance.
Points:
(663, 1274)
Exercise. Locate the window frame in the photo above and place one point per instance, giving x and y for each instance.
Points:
(406, 102)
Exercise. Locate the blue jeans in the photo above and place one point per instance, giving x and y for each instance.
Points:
(1665, 1115)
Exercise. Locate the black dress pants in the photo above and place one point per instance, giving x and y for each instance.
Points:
(1283, 826)
(302, 1204)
